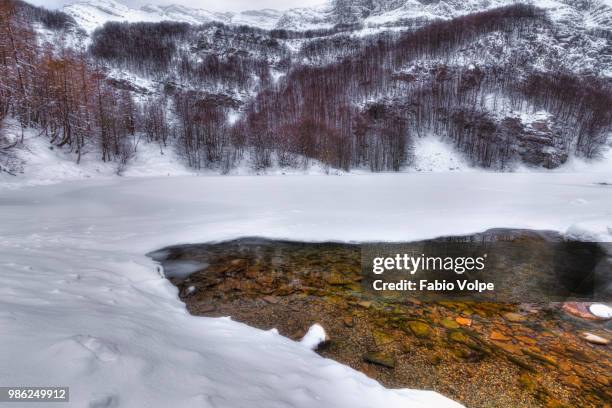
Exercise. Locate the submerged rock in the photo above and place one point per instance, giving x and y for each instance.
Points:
(498, 336)
(349, 321)
(365, 303)
(382, 338)
(514, 317)
(449, 324)
(579, 309)
(381, 359)
(595, 339)
(271, 299)
(464, 321)
(458, 336)
(419, 329)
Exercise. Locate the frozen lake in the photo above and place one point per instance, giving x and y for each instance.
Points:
(82, 305)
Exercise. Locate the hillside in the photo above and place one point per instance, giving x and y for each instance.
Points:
(353, 85)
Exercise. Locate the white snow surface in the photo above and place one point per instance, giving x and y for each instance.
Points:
(431, 153)
(44, 164)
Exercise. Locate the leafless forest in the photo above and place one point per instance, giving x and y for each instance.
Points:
(346, 101)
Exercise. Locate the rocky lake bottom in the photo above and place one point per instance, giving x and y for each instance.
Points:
(482, 354)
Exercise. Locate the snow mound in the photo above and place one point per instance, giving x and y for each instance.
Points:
(434, 155)
(151, 160)
(42, 163)
(315, 336)
(601, 164)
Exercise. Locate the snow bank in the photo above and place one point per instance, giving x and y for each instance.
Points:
(44, 164)
(602, 164)
(150, 160)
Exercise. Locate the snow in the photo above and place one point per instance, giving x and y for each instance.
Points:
(265, 19)
(601, 310)
(415, 9)
(92, 14)
(315, 336)
(433, 154)
(602, 164)
(44, 164)
(151, 160)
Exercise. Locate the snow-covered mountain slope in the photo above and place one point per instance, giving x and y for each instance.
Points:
(266, 18)
(588, 14)
(307, 18)
(390, 11)
(578, 40)
(596, 14)
(91, 14)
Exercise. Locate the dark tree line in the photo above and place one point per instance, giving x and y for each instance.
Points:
(217, 57)
(583, 103)
(140, 47)
(50, 19)
(283, 34)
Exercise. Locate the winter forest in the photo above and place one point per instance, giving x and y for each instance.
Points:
(228, 92)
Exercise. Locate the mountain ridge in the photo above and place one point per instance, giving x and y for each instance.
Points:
(91, 14)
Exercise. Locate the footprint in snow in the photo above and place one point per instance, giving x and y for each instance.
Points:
(103, 350)
(104, 401)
